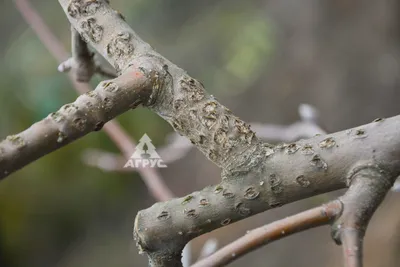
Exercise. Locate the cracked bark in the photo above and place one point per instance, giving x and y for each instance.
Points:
(256, 176)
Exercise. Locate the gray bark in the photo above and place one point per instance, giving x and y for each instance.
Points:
(256, 176)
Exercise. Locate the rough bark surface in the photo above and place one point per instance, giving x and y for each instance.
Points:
(256, 176)
(88, 113)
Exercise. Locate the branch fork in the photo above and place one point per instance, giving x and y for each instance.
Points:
(348, 216)
(82, 63)
(256, 176)
(368, 185)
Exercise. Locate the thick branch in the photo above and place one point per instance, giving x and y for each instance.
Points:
(279, 175)
(113, 129)
(256, 176)
(106, 30)
(183, 102)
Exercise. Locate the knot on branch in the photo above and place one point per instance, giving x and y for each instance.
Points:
(159, 253)
(155, 72)
(365, 166)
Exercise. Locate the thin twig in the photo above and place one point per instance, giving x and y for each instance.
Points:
(352, 245)
(258, 237)
(369, 184)
(83, 63)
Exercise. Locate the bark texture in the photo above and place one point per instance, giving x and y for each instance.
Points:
(256, 176)
(88, 113)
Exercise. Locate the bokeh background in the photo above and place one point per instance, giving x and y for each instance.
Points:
(261, 58)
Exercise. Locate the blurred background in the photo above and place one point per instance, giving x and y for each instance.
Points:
(261, 58)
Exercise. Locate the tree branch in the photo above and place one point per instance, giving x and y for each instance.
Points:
(178, 146)
(369, 183)
(83, 63)
(256, 176)
(317, 165)
(261, 236)
(88, 113)
(113, 129)
(105, 30)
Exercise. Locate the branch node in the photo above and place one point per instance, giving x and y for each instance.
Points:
(83, 63)
(369, 183)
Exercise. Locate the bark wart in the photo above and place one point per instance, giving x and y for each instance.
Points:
(266, 234)
(256, 176)
(269, 178)
(88, 113)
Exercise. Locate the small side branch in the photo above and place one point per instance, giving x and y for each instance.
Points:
(82, 63)
(266, 234)
(352, 242)
(369, 184)
(113, 129)
(88, 113)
